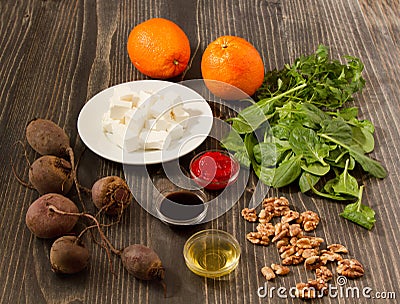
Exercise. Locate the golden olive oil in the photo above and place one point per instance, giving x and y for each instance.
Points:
(213, 257)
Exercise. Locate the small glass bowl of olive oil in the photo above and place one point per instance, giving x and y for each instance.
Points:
(211, 253)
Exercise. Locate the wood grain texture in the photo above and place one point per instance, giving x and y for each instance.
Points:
(56, 55)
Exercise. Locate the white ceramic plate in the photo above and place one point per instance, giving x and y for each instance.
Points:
(91, 131)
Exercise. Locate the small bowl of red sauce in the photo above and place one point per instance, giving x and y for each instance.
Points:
(214, 169)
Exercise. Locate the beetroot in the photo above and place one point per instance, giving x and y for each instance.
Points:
(51, 174)
(68, 255)
(47, 138)
(111, 194)
(45, 223)
(142, 262)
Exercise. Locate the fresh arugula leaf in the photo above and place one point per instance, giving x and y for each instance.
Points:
(338, 157)
(266, 175)
(353, 74)
(365, 124)
(254, 116)
(359, 213)
(328, 187)
(329, 83)
(234, 143)
(241, 126)
(313, 114)
(250, 141)
(282, 130)
(324, 194)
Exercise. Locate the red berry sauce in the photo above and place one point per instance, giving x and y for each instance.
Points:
(214, 170)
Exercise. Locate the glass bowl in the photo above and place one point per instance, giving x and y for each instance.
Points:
(212, 173)
(182, 207)
(211, 253)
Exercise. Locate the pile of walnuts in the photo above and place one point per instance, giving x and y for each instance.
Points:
(295, 247)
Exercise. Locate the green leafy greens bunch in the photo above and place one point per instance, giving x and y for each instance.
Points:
(298, 130)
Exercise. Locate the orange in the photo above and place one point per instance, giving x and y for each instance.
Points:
(159, 48)
(235, 61)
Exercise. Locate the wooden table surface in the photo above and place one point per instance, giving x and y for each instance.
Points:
(56, 55)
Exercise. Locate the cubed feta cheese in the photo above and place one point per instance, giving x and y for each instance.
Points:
(118, 134)
(149, 123)
(132, 142)
(168, 117)
(146, 100)
(180, 116)
(179, 110)
(159, 107)
(135, 99)
(144, 119)
(157, 124)
(175, 131)
(135, 120)
(118, 108)
(123, 93)
(108, 123)
(155, 140)
(162, 124)
(128, 115)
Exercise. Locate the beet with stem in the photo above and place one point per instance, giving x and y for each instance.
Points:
(47, 138)
(111, 194)
(51, 174)
(45, 223)
(140, 261)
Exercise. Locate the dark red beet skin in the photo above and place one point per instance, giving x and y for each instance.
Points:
(45, 223)
(51, 174)
(47, 138)
(68, 255)
(111, 193)
(142, 262)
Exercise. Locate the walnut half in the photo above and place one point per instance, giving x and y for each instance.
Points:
(280, 269)
(310, 220)
(257, 238)
(337, 248)
(350, 268)
(323, 273)
(249, 215)
(268, 273)
(304, 291)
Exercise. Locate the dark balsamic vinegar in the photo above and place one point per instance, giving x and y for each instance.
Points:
(181, 206)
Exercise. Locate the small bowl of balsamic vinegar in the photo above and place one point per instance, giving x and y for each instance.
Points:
(212, 253)
(182, 207)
